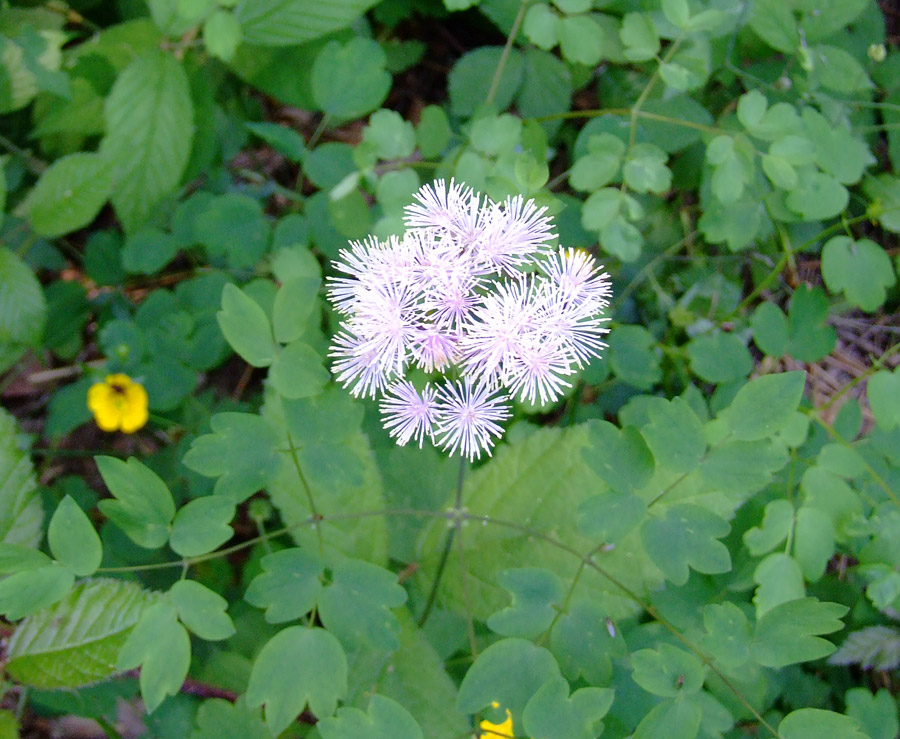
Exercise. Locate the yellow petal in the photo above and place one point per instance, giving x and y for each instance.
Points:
(103, 404)
(505, 730)
(134, 410)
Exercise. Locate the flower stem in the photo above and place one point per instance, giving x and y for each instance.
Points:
(448, 543)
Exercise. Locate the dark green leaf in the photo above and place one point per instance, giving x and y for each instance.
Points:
(536, 594)
(470, 79)
(385, 719)
(675, 435)
(142, 506)
(201, 610)
(719, 357)
(764, 405)
(73, 540)
(789, 633)
(350, 80)
(202, 525)
(289, 585)
(553, 714)
(283, 139)
(23, 309)
(686, 536)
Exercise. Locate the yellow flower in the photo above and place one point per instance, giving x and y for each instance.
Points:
(497, 731)
(118, 404)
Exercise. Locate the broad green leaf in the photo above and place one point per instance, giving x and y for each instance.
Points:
(553, 714)
(201, 610)
(675, 435)
(780, 580)
(285, 690)
(770, 329)
(738, 468)
(686, 536)
(495, 134)
(727, 636)
(218, 718)
(283, 139)
(838, 152)
(23, 309)
(289, 22)
(813, 542)
(677, 12)
(69, 194)
(27, 591)
(246, 327)
(392, 137)
(719, 357)
(487, 680)
(350, 80)
(837, 69)
(289, 585)
(861, 269)
(73, 540)
(883, 391)
(148, 251)
(633, 356)
(536, 594)
(830, 494)
(645, 169)
(674, 719)
(234, 227)
(876, 714)
(222, 34)
(297, 371)
(584, 641)
(201, 525)
(355, 607)
(142, 506)
(667, 671)
(546, 87)
(774, 23)
(776, 525)
(242, 451)
(884, 191)
(470, 79)
(789, 633)
(385, 719)
(15, 558)
(815, 722)
(607, 517)
(539, 26)
(21, 512)
(811, 336)
(581, 39)
(764, 405)
(601, 164)
(433, 131)
(76, 641)
(619, 457)
(149, 127)
(639, 36)
(162, 670)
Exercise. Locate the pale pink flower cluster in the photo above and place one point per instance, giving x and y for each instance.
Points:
(472, 289)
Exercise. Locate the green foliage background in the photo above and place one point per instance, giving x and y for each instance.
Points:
(697, 542)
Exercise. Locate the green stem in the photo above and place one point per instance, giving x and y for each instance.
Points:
(507, 49)
(316, 516)
(448, 544)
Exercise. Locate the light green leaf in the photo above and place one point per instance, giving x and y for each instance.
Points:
(675, 435)
(540, 25)
(774, 23)
(23, 309)
(776, 525)
(585, 641)
(241, 451)
(290, 22)
(15, 558)
(487, 680)
(285, 690)
(73, 540)
(27, 591)
(646, 170)
(536, 594)
(811, 336)
(667, 671)
(553, 714)
(355, 606)
(601, 164)
(162, 670)
(686, 536)
(201, 610)
(770, 329)
(201, 525)
(218, 718)
(289, 585)
(222, 34)
(764, 405)
(607, 517)
(883, 391)
(21, 512)
(727, 636)
(675, 719)
(815, 722)
(876, 714)
(297, 371)
(246, 327)
(148, 251)
(581, 39)
(350, 80)
(142, 506)
(77, 641)
(676, 12)
(69, 194)
(837, 69)
(839, 151)
(392, 137)
(385, 719)
(620, 457)
(780, 580)
(861, 269)
(433, 131)
(149, 127)
(639, 37)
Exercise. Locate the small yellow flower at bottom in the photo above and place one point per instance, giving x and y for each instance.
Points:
(489, 730)
(118, 404)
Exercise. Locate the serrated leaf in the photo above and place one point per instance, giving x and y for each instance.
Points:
(21, 512)
(487, 679)
(356, 605)
(73, 540)
(242, 451)
(162, 670)
(861, 269)
(142, 506)
(535, 594)
(289, 22)
(667, 671)
(873, 647)
(76, 642)
(149, 127)
(350, 80)
(276, 682)
(27, 591)
(201, 610)
(764, 405)
(69, 194)
(686, 536)
(23, 309)
(289, 585)
(246, 327)
(553, 714)
(814, 722)
(201, 525)
(385, 719)
(789, 633)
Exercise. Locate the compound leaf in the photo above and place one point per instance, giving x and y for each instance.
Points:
(789, 633)
(686, 536)
(289, 585)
